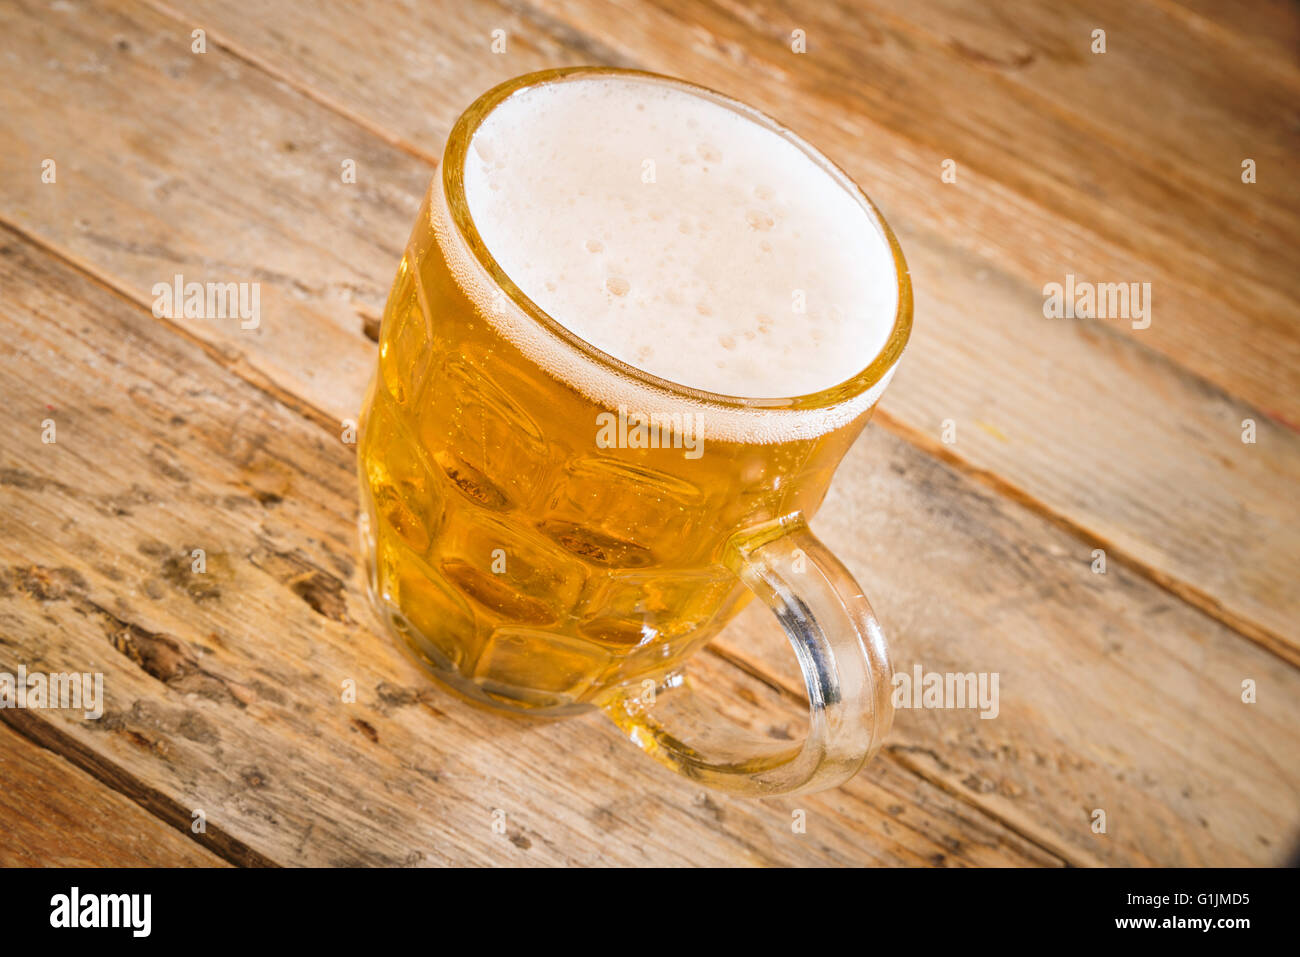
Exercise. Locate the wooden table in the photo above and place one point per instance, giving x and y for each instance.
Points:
(1010, 448)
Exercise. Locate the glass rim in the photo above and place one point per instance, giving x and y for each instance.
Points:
(453, 184)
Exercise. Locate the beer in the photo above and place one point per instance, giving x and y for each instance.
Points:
(635, 323)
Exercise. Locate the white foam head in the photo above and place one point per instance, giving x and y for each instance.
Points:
(681, 237)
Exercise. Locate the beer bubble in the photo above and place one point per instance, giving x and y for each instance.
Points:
(759, 220)
(618, 285)
(594, 245)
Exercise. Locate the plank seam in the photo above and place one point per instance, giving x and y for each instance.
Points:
(315, 96)
(46, 735)
(1280, 70)
(1260, 635)
(892, 753)
(1190, 180)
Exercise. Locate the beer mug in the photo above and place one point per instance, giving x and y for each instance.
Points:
(550, 529)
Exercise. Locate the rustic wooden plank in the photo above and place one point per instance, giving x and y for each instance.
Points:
(52, 814)
(1264, 32)
(1197, 95)
(317, 287)
(1167, 95)
(224, 689)
(1222, 537)
(440, 64)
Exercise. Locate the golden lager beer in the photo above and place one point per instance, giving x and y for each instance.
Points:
(635, 329)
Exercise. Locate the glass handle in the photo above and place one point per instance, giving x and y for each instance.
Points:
(841, 651)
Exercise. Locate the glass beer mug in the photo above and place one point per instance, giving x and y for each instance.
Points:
(551, 529)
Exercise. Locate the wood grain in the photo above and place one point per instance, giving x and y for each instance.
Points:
(54, 815)
(225, 689)
(1265, 33)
